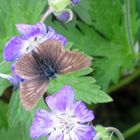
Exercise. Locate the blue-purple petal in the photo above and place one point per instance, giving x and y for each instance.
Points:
(12, 49)
(52, 34)
(41, 125)
(83, 132)
(81, 113)
(61, 101)
(31, 30)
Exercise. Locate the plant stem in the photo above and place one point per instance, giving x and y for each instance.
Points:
(48, 12)
(127, 16)
(132, 131)
(116, 131)
(125, 81)
(3, 62)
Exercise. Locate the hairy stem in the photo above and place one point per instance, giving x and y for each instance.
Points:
(127, 15)
(47, 13)
(125, 81)
(116, 131)
(132, 130)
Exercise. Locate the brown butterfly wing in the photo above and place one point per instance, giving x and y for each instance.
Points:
(26, 67)
(52, 51)
(31, 92)
(72, 61)
(63, 61)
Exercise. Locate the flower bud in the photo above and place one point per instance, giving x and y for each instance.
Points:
(59, 5)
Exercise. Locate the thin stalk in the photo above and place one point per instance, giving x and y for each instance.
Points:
(127, 15)
(116, 131)
(125, 81)
(47, 13)
(132, 131)
(2, 63)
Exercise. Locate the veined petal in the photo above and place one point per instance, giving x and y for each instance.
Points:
(42, 124)
(66, 15)
(12, 49)
(61, 101)
(31, 30)
(81, 113)
(82, 132)
(52, 34)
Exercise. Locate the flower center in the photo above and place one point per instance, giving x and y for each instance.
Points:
(65, 123)
(32, 43)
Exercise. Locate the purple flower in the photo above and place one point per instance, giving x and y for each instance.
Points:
(68, 119)
(75, 1)
(30, 37)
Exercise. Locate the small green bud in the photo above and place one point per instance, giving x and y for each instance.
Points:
(59, 5)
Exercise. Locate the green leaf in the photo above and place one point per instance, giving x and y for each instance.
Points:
(13, 133)
(19, 132)
(101, 133)
(3, 115)
(106, 39)
(19, 117)
(97, 13)
(110, 59)
(85, 87)
(17, 114)
(5, 68)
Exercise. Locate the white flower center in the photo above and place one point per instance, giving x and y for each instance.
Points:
(32, 43)
(65, 123)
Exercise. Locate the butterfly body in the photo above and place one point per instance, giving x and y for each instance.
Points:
(42, 65)
(46, 69)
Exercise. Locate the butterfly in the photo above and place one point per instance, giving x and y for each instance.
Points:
(44, 64)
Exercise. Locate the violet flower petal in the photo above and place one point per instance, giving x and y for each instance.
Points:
(61, 101)
(83, 132)
(81, 113)
(52, 34)
(31, 30)
(42, 124)
(13, 48)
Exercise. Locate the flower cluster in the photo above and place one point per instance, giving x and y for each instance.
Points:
(66, 120)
